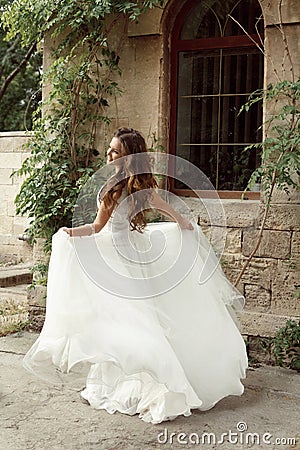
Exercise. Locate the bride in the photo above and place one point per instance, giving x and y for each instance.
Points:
(126, 309)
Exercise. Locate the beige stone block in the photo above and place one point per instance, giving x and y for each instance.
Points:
(10, 160)
(230, 213)
(290, 11)
(148, 23)
(277, 58)
(8, 192)
(262, 324)
(241, 214)
(22, 250)
(283, 217)
(147, 59)
(19, 250)
(274, 244)
(6, 144)
(283, 198)
(6, 225)
(257, 298)
(14, 134)
(6, 251)
(20, 225)
(11, 208)
(233, 240)
(260, 271)
(286, 281)
(7, 239)
(140, 79)
(295, 246)
(3, 207)
(11, 245)
(19, 144)
(5, 176)
(231, 264)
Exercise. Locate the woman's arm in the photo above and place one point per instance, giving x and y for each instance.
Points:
(100, 221)
(158, 203)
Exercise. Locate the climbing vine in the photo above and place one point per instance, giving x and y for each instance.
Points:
(280, 166)
(280, 149)
(83, 79)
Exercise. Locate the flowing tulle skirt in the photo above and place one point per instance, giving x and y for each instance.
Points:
(155, 337)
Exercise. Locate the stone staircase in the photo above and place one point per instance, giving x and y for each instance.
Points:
(14, 307)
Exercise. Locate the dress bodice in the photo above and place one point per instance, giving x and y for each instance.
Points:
(118, 220)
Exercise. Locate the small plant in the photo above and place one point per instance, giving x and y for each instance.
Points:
(13, 327)
(13, 316)
(40, 272)
(285, 346)
(223, 262)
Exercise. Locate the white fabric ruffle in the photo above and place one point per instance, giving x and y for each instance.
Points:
(171, 345)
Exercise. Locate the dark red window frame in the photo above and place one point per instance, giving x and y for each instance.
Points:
(177, 45)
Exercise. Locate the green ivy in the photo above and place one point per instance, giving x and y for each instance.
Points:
(82, 77)
(285, 346)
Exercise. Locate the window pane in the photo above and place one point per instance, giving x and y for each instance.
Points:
(210, 18)
(237, 165)
(242, 70)
(212, 87)
(203, 157)
(228, 167)
(199, 72)
(198, 120)
(235, 127)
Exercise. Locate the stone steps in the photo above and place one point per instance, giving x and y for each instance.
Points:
(18, 293)
(14, 306)
(15, 275)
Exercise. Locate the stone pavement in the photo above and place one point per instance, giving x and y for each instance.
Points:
(37, 416)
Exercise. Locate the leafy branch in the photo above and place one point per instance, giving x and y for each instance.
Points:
(82, 76)
(280, 167)
(15, 72)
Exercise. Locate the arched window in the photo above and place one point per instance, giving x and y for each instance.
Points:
(215, 66)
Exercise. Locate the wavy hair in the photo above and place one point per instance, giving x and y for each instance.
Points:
(135, 175)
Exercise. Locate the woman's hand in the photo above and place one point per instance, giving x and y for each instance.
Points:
(65, 229)
(84, 230)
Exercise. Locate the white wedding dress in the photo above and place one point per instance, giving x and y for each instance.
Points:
(145, 320)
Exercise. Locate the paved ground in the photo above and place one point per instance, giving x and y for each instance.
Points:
(38, 416)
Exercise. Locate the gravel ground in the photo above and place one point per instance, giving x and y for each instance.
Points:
(37, 416)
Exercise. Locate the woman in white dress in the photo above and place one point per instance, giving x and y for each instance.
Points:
(126, 311)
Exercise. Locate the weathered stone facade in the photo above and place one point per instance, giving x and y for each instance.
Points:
(11, 157)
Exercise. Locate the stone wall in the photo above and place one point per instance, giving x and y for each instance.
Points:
(12, 250)
(272, 281)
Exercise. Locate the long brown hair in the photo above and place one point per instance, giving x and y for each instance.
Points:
(135, 175)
